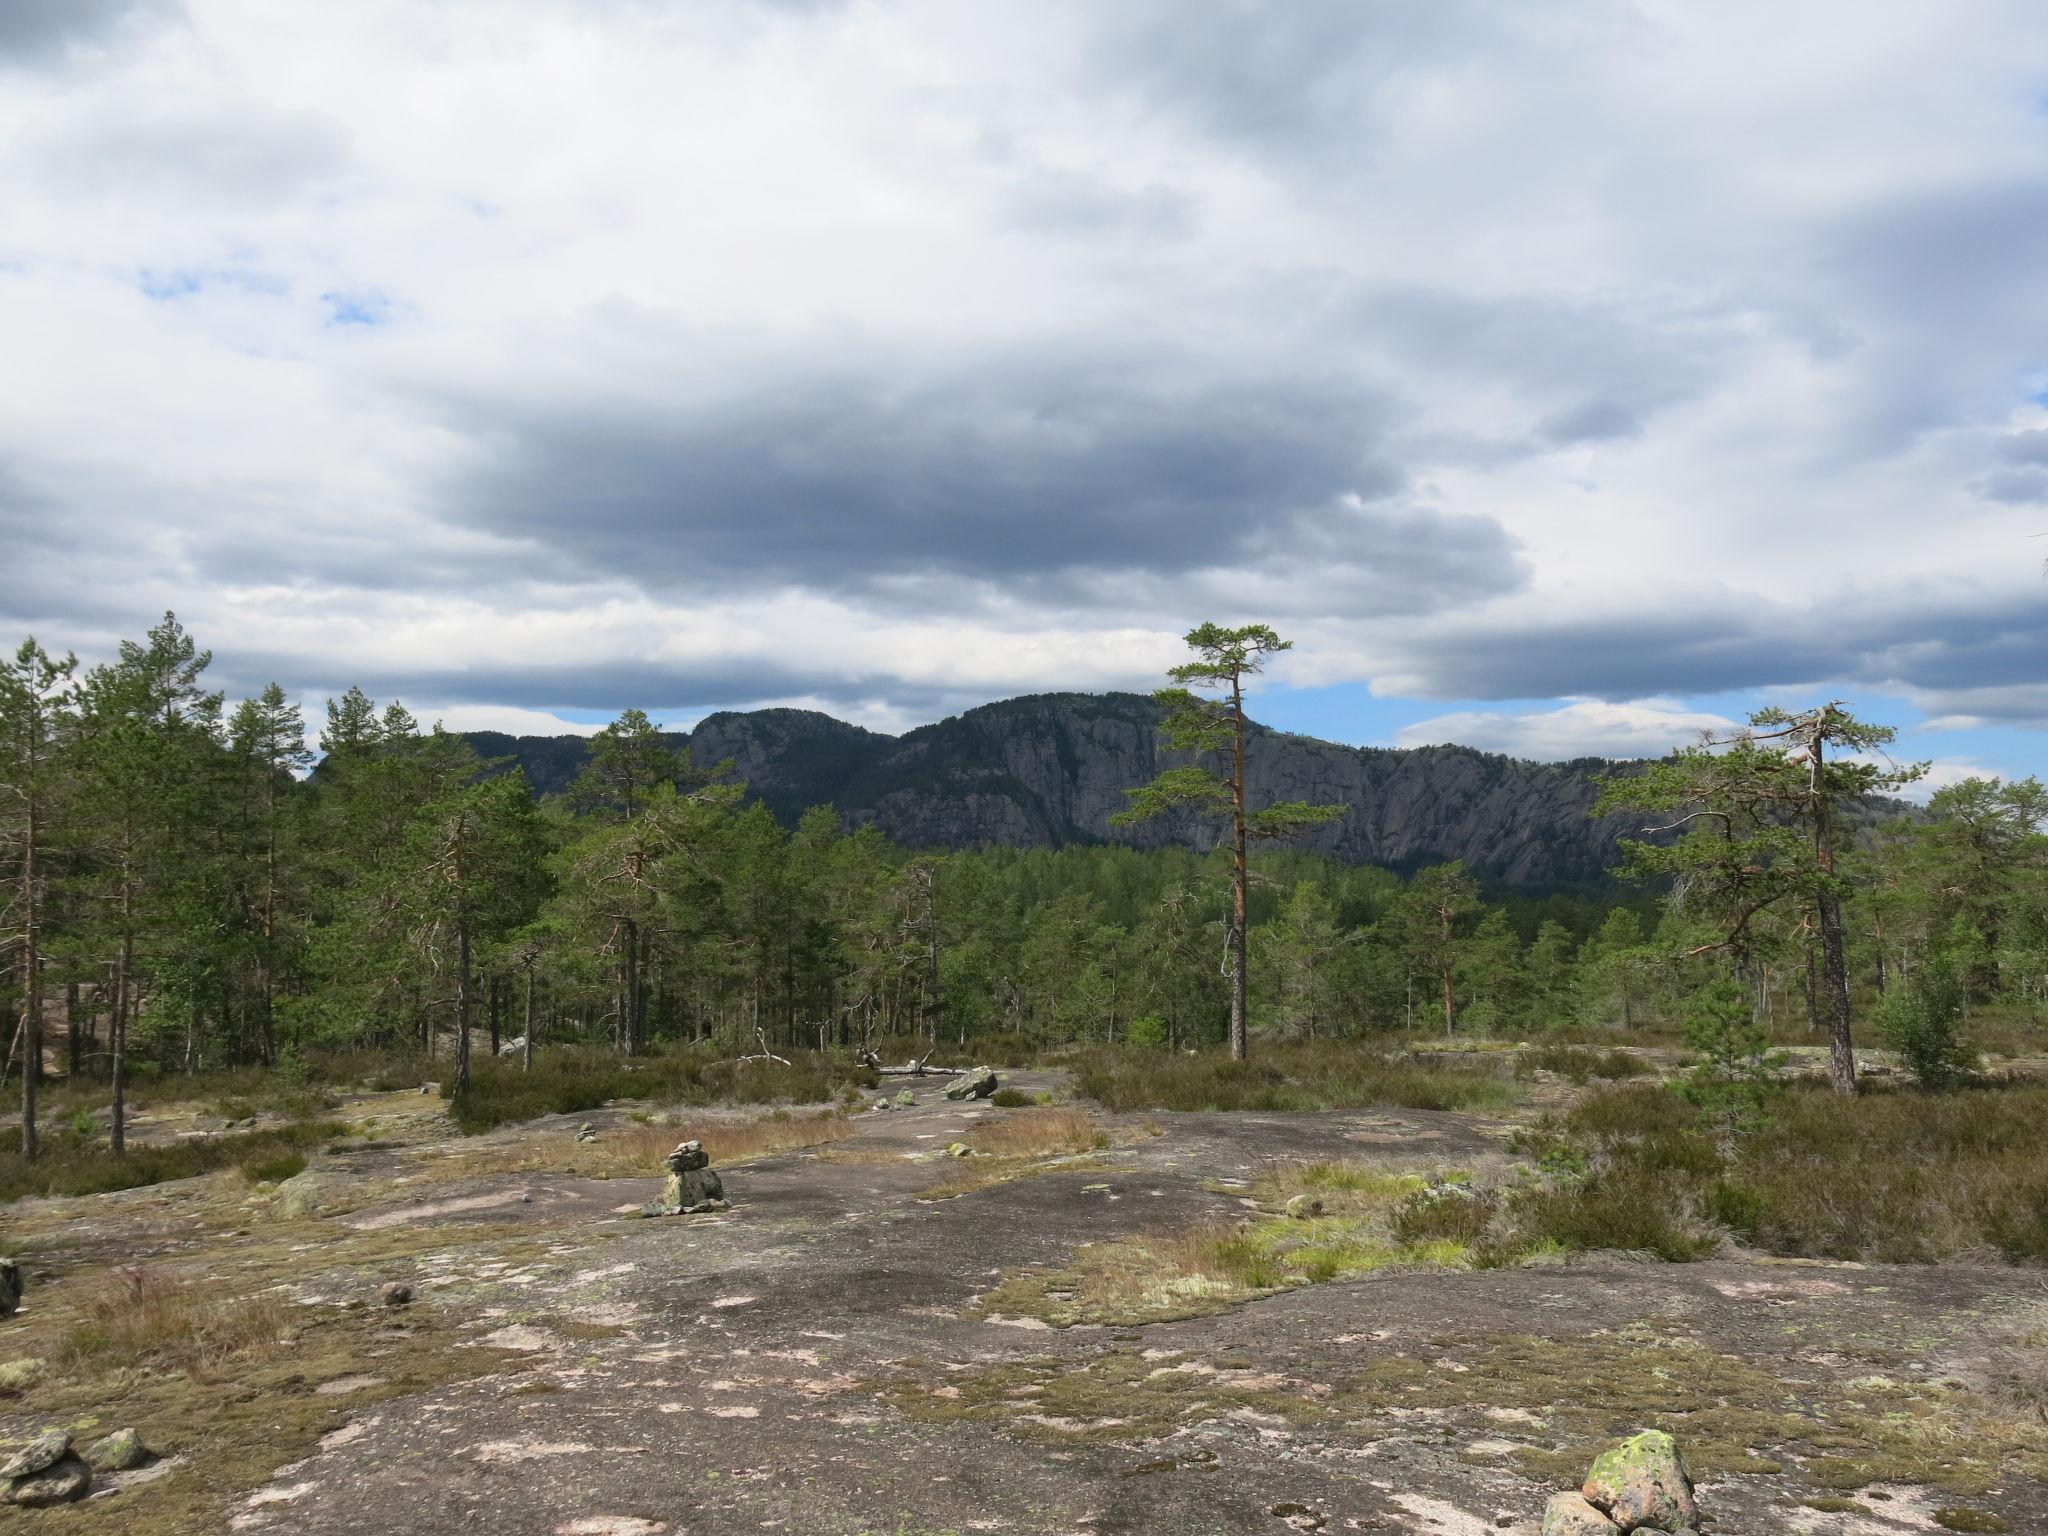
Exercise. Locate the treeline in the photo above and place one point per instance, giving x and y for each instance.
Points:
(186, 886)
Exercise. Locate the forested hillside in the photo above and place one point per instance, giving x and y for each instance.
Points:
(180, 892)
(1049, 770)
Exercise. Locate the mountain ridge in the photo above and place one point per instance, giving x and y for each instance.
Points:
(1047, 770)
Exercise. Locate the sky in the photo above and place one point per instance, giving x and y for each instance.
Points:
(1562, 379)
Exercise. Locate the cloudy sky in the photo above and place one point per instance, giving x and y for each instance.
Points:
(1562, 378)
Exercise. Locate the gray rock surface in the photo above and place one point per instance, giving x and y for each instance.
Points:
(63, 1480)
(1568, 1514)
(43, 1451)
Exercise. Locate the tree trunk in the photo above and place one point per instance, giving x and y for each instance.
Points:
(1240, 878)
(1831, 986)
(462, 986)
(526, 1048)
(117, 1134)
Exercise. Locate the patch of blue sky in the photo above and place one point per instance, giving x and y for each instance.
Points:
(365, 307)
(170, 283)
(1346, 712)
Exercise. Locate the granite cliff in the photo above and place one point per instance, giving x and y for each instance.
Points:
(1049, 769)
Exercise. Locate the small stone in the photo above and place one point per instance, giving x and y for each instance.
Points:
(119, 1452)
(43, 1451)
(1302, 1207)
(1643, 1482)
(906, 1098)
(60, 1482)
(1568, 1514)
(395, 1293)
(978, 1084)
(959, 1149)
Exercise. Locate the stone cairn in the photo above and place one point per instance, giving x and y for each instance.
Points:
(692, 1187)
(48, 1471)
(1638, 1485)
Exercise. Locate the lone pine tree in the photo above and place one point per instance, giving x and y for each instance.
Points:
(1215, 728)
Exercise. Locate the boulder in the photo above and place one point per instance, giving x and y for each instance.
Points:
(301, 1194)
(906, 1098)
(10, 1287)
(394, 1293)
(1568, 1514)
(959, 1149)
(119, 1452)
(65, 1479)
(512, 1047)
(1642, 1484)
(43, 1451)
(1304, 1207)
(978, 1084)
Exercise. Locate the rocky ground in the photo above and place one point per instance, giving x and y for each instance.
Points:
(820, 1359)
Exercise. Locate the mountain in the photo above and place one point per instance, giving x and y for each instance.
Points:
(1049, 769)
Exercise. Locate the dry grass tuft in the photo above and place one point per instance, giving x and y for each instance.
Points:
(1038, 1133)
(142, 1315)
(636, 1151)
(1020, 1143)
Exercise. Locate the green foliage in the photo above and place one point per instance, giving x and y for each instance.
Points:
(1736, 1064)
(1146, 1032)
(1921, 1019)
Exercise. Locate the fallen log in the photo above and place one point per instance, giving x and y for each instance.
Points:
(916, 1068)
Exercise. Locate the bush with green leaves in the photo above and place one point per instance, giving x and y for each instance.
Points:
(1736, 1062)
(1921, 1019)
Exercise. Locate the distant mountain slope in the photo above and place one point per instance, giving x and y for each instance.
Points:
(1049, 769)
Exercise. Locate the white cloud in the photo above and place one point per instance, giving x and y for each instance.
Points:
(534, 355)
(498, 717)
(1581, 728)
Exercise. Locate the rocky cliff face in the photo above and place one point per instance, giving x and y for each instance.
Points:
(1050, 769)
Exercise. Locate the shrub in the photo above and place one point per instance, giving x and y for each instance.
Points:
(1146, 1031)
(1896, 1176)
(1922, 1020)
(565, 1080)
(1736, 1063)
(273, 1167)
(1579, 1064)
(1011, 1098)
(1305, 1076)
(1629, 1208)
(72, 1168)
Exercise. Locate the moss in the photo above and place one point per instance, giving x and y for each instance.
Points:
(1970, 1520)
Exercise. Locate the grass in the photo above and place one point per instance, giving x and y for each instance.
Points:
(1287, 1077)
(147, 1317)
(567, 1079)
(1013, 1145)
(1579, 1064)
(223, 1378)
(1892, 1175)
(1732, 1414)
(636, 1150)
(71, 1165)
(1357, 1219)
